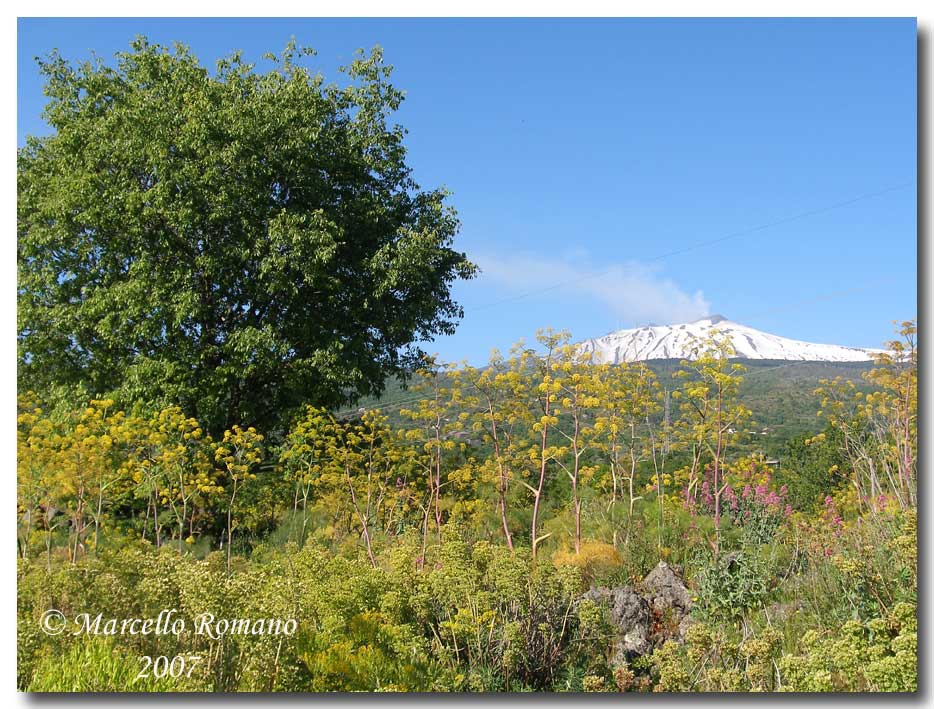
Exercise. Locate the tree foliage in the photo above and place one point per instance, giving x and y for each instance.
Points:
(236, 242)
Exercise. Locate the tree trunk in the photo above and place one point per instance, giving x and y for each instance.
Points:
(503, 480)
(541, 480)
(230, 524)
(363, 520)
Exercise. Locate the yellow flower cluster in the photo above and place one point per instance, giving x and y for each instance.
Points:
(82, 463)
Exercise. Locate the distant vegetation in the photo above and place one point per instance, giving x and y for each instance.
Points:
(781, 395)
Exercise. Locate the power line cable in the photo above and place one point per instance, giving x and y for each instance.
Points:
(699, 245)
(823, 296)
(390, 405)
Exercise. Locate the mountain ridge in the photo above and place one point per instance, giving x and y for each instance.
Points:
(678, 341)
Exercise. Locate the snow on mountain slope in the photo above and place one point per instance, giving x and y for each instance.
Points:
(677, 342)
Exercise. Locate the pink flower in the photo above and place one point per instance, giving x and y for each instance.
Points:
(762, 494)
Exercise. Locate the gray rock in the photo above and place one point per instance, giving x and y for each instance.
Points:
(630, 615)
(686, 622)
(666, 589)
(782, 611)
(643, 620)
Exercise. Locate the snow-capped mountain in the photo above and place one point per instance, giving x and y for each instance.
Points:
(678, 341)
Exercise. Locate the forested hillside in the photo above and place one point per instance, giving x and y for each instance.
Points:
(780, 394)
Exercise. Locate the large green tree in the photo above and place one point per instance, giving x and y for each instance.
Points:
(235, 241)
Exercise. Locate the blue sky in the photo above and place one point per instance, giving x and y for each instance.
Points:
(593, 162)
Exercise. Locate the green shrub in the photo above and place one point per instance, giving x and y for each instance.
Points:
(878, 656)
